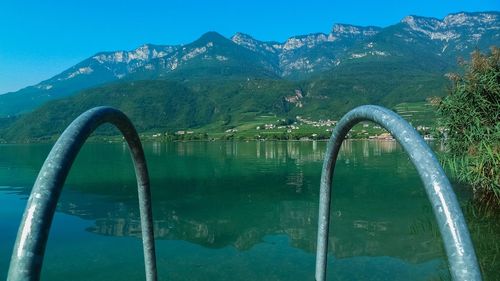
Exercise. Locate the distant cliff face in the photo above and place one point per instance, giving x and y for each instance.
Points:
(412, 41)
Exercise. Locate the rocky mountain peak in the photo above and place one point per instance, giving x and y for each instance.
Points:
(469, 19)
(144, 52)
(452, 20)
(241, 36)
(309, 41)
(449, 28)
(211, 36)
(244, 40)
(350, 31)
(417, 23)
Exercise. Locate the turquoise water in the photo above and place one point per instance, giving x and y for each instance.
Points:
(230, 211)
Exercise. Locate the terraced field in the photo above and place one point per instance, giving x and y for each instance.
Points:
(417, 113)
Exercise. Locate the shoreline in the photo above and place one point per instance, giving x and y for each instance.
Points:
(149, 140)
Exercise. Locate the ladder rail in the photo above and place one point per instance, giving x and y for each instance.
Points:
(456, 238)
(29, 249)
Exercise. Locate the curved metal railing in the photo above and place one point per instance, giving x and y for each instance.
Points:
(29, 249)
(461, 256)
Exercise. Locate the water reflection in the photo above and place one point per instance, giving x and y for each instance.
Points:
(235, 194)
(369, 148)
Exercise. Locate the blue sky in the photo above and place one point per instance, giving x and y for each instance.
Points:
(39, 39)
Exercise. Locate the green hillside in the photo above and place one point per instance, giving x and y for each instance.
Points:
(156, 106)
(230, 87)
(217, 105)
(368, 64)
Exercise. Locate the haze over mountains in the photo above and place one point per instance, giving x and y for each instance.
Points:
(308, 73)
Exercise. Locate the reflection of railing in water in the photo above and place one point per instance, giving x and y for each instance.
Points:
(461, 255)
(29, 249)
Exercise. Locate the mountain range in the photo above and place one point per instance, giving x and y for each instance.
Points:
(308, 74)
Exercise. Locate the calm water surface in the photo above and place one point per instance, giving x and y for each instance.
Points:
(230, 211)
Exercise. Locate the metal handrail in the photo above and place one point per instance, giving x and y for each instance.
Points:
(461, 256)
(29, 249)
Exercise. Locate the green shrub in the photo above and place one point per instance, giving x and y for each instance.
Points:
(470, 116)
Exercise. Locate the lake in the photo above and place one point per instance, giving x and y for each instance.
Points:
(238, 211)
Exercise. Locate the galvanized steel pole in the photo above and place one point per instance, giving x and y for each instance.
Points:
(29, 249)
(459, 249)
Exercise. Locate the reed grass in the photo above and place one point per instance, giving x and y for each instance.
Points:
(470, 122)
